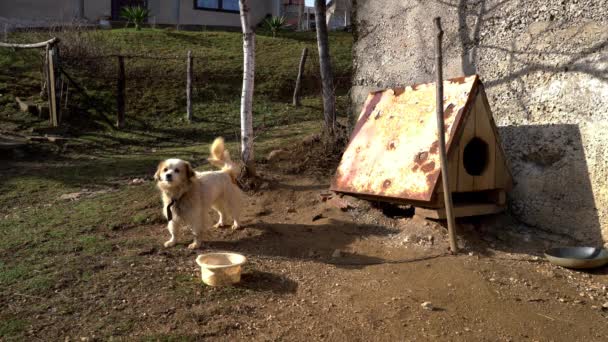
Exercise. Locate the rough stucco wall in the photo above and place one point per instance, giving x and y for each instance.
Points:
(545, 68)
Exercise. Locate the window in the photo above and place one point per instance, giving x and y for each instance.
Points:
(217, 5)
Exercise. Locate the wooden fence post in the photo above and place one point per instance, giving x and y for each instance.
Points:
(120, 93)
(189, 87)
(46, 88)
(296, 92)
(52, 86)
(58, 81)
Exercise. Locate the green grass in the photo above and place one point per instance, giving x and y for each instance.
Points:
(10, 329)
(155, 101)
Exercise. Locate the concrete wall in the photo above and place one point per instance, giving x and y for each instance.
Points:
(165, 13)
(38, 10)
(94, 9)
(51, 10)
(545, 67)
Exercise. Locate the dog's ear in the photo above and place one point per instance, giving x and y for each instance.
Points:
(158, 170)
(189, 170)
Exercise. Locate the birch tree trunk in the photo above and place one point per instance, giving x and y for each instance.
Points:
(248, 85)
(327, 79)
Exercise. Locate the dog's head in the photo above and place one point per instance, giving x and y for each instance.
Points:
(173, 172)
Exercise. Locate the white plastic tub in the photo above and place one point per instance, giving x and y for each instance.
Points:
(221, 269)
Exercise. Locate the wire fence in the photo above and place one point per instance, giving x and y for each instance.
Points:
(117, 83)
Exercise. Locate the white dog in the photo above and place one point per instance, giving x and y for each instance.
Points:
(188, 196)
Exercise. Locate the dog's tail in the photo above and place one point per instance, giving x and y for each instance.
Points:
(220, 158)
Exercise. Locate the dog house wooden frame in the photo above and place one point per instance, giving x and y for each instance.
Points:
(393, 151)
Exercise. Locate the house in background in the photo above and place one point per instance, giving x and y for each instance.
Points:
(338, 14)
(218, 13)
(290, 10)
(212, 13)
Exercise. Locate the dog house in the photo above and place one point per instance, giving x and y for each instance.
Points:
(393, 153)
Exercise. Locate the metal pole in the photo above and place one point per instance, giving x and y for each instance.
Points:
(449, 210)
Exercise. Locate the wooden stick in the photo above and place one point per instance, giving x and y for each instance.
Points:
(67, 93)
(189, 87)
(47, 88)
(58, 82)
(296, 92)
(51, 41)
(447, 194)
(91, 100)
(52, 88)
(120, 93)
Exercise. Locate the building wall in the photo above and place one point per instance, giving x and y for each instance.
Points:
(39, 10)
(94, 9)
(164, 11)
(545, 69)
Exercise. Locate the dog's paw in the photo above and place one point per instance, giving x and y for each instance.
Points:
(236, 226)
(194, 245)
(169, 243)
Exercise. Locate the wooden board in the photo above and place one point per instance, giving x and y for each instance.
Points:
(465, 180)
(484, 131)
(453, 165)
(462, 210)
(503, 178)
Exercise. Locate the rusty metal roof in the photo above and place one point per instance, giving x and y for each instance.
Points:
(394, 150)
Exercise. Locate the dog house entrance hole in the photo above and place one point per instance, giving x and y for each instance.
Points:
(475, 156)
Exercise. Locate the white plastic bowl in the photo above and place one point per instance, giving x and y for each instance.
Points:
(221, 269)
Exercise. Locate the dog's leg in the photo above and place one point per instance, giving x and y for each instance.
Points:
(197, 227)
(221, 212)
(235, 212)
(173, 230)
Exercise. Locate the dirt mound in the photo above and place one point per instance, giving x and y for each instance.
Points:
(315, 155)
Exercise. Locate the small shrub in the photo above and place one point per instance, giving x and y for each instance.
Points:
(136, 14)
(275, 24)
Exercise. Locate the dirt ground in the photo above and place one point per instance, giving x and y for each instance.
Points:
(297, 288)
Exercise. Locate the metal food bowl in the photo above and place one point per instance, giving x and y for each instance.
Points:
(577, 257)
(221, 269)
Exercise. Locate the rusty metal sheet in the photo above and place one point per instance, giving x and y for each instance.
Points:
(394, 150)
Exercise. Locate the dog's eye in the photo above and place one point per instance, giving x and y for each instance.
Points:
(176, 170)
(165, 170)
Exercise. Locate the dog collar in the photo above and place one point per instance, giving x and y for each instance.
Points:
(169, 213)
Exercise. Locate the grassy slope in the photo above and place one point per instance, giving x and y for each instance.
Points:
(46, 239)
